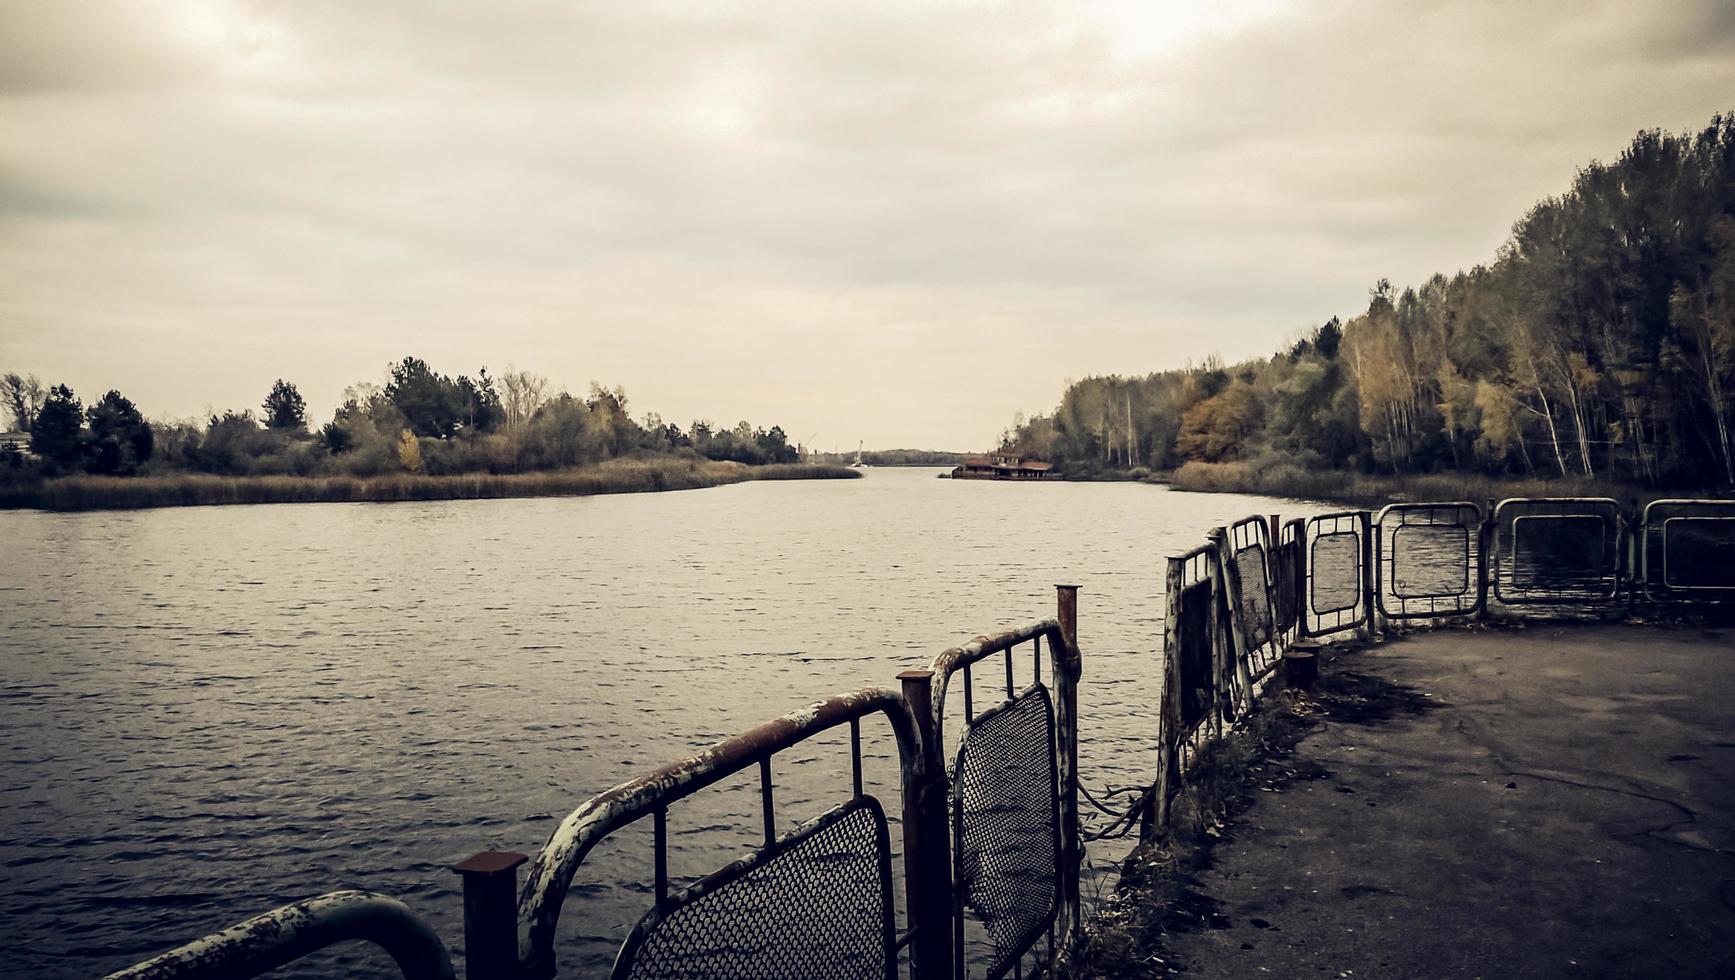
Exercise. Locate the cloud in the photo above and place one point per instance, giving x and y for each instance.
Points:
(890, 221)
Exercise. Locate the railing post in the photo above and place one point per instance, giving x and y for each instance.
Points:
(1068, 668)
(927, 841)
(491, 914)
(1229, 585)
(1370, 583)
(1484, 548)
(1169, 715)
(1632, 553)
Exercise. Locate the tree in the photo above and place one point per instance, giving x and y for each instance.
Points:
(521, 394)
(120, 439)
(285, 408)
(21, 398)
(429, 402)
(57, 431)
(774, 445)
(409, 451)
(478, 404)
(1327, 339)
(232, 441)
(1705, 320)
(337, 437)
(1217, 428)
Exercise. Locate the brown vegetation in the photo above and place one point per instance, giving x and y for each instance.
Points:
(197, 489)
(1289, 480)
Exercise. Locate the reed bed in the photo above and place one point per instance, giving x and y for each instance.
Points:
(73, 493)
(1285, 480)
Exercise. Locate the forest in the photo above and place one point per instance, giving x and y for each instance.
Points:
(1598, 344)
(418, 422)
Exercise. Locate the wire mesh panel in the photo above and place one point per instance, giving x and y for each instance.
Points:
(1249, 546)
(1332, 595)
(1429, 560)
(1007, 824)
(1560, 550)
(818, 904)
(1286, 577)
(1689, 550)
(1198, 676)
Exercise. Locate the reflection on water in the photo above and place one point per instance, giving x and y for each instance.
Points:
(212, 711)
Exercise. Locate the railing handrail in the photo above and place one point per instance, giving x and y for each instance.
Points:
(554, 867)
(283, 935)
(1380, 515)
(1556, 500)
(1192, 553)
(952, 659)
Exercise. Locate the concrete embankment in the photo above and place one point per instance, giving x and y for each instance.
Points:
(1555, 801)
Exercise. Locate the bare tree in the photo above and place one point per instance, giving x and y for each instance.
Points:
(521, 394)
(22, 398)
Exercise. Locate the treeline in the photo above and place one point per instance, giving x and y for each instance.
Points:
(419, 421)
(1599, 343)
(893, 457)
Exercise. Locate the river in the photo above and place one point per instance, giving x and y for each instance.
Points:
(206, 712)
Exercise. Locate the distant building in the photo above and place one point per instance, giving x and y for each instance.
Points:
(1003, 466)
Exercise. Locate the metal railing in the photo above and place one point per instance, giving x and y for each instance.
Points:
(1014, 792)
(1558, 551)
(1428, 561)
(820, 952)
(995, 836)
(1229, 612)
(1336, 595)
(265, 942)
(1688, 551)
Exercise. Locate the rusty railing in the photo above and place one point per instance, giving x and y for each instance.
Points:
(1417, 562)
(1014, 793)
(265, 942)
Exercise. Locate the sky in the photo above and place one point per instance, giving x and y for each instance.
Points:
(886, 222)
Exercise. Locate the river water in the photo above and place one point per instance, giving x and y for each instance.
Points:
(207, 712)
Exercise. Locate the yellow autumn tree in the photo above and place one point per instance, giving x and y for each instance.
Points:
(409, 451)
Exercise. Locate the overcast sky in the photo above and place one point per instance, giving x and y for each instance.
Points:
(879, 221)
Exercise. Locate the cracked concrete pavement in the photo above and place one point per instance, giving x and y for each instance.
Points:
(1555, 801)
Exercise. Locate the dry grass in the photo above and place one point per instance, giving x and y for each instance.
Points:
(804, 471)
(1287, 480)
(1156, 888)
(192, 489)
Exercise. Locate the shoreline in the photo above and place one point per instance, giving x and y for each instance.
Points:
(85, 493)
(1363, 489)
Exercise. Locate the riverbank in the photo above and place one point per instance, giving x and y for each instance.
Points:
(75, 493)
(1457, 803)
(1371, 490)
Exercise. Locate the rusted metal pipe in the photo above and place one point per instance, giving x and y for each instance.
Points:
(956, 658)
(1169, 714)
(927, 847)
(283, 935)
(1068, 670)
(490, 913)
